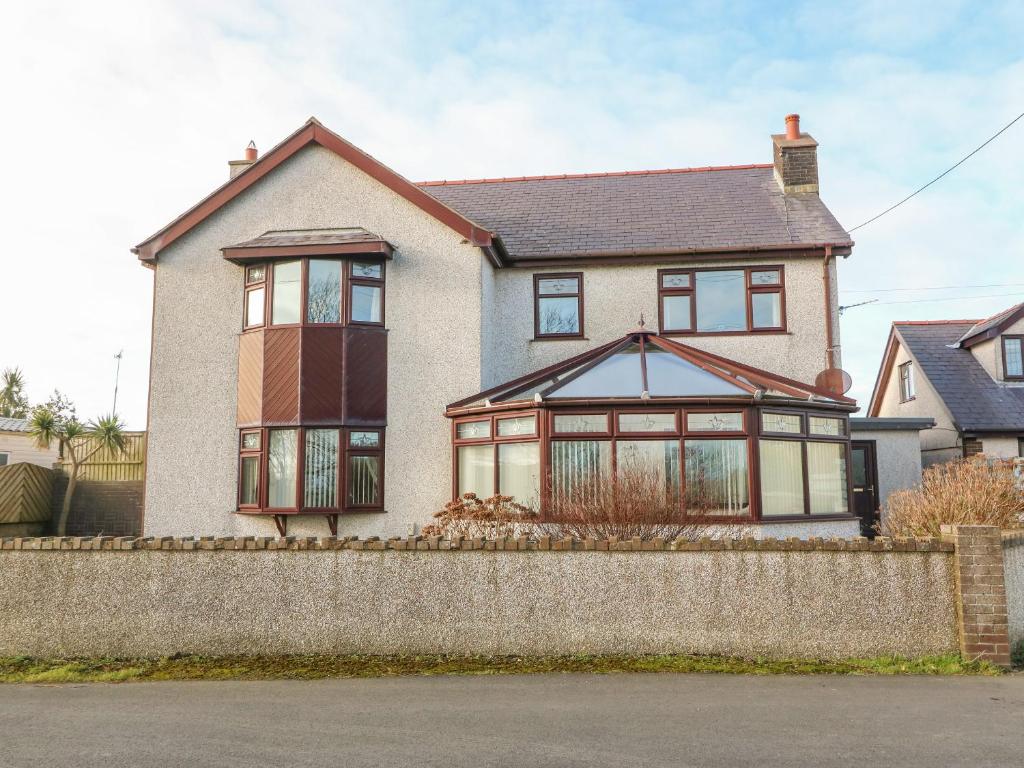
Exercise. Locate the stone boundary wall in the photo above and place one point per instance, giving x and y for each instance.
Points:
(1013, 563)
(123, 597)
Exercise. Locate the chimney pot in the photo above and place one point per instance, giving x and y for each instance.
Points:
(251, 153)
(793, 126)
(237, 166)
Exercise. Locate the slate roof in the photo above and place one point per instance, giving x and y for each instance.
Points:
(680, 210)
(993, 322)
(13, 425)
(977, 403)
(310, 237)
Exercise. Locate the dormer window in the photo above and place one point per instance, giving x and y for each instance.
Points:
(1013, 357)
(907, 391)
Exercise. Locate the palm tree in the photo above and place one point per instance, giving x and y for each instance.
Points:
(13, 403)
(74, 439)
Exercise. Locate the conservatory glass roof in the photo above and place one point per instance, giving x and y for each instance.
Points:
(644, 366)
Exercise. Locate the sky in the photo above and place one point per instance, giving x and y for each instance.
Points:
(119, 116)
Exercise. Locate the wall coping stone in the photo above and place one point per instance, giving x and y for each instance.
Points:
(463, 544)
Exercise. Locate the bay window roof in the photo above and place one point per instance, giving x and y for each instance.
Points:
(645, 366)
(342, 241)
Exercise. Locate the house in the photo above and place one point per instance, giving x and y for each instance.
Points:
(966, 375)
(17, 445)
(336, 348)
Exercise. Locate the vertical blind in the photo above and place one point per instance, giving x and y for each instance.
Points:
(321, 477)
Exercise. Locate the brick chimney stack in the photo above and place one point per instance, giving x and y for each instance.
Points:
(237, 166)
(796, 159)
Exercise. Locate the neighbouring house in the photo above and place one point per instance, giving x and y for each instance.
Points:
(967, 375)
(17, 445)
(336, 348)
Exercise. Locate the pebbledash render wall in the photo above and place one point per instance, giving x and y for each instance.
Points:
(939, 444)
(816, 599)
(432, 312)
(614, 297)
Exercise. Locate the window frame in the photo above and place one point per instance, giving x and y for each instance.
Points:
(345, 451)
(539, 436)
(749, 290)
(537, 296)
(1019, 338)
(908, 388)
(6, 456)
(349, 280)
(345, 292)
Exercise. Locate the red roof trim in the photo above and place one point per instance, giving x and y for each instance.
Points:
(312, 133)
(559, 177)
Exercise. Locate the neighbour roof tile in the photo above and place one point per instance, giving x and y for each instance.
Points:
(13, 425)
(993, 322)
(711, 209)
(976, 402)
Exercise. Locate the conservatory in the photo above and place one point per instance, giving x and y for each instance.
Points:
(728, 441)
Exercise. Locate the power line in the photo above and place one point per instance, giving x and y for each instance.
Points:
(948, 170)
(930, 288)
(946, 298)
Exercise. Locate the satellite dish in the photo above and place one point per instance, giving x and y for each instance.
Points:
(834, 380)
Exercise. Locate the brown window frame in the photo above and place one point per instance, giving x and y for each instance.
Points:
(1019, 338)
(908, 387)
(749, 288)
(345, 292)
(345, 451)
(537, 296)
(250, 287)
(353, 280)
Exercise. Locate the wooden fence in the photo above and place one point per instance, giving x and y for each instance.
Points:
(105, 465)
(25, 491)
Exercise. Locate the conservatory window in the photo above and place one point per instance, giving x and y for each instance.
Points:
(519, 472)
(824, 425)
(717, 477)
(577, 464)
(581, 422)
(647, 422)
(782, 478)
(558, 305)
(826, 478)
(714, 422)
(473, 430)
(476, 470)
(518, 425)
(655, 458)
(786, 423)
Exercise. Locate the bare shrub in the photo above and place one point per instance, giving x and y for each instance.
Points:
(472, 517)
(974, 491)
(638, 504)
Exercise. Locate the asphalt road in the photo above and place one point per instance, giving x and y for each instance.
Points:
(555, 720)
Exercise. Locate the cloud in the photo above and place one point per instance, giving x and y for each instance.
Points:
(121, 115)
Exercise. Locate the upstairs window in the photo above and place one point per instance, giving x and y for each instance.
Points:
(1013, 357)
(558, 305)
(314, 292)
(907, 391)
(740, 300)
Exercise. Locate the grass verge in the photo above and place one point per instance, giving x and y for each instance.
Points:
(22, 669)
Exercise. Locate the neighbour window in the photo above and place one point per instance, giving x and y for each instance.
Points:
(721, 300)
(331, 459)
(1020, 447)
(906, 381)
(3, 459)
(972, 446)
(1013, 357)
(558, 305)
